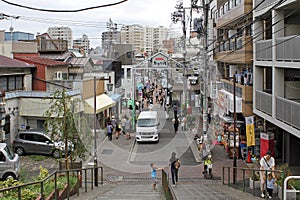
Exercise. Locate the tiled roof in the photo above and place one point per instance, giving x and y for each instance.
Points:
(9, 62)
(42, 61)
(81, 62)
(59, 56)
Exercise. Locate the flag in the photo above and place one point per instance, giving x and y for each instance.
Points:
(250, 131)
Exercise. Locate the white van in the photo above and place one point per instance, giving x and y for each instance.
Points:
(9, 163)
(147, 127)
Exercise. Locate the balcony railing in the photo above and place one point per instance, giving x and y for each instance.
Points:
(263, 102)
(264, 50)
(264, 3)
(288, 48)
(288, 111)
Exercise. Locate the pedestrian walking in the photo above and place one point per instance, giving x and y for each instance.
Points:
(175, 109)
(267, 162)
(175, 165)
(127, 128)
(154, 170)
(176, 122)
(123, 123)
(109, 131)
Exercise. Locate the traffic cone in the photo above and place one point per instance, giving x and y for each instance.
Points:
(249, 157)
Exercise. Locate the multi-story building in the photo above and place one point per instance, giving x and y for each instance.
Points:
(62, 33)
(108, 38)
(134, 34)
(82, 43)
(159, 35)
(276, 73)
(233, 53)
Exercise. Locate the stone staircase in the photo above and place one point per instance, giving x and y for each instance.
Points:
(122, 191)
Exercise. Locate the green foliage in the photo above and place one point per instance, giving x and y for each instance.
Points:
(33, 191)
(37, 157)
(286, 172)
(65, 124)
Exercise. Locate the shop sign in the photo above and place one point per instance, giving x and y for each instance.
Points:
(250, 131)
(159, 61)
(266, 143)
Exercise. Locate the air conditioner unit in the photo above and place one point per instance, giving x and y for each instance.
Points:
(58, 75)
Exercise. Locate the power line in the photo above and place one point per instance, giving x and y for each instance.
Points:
(49, 10)
(258, 34)
(234, 35)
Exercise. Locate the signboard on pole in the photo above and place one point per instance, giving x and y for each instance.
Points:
(250, 131)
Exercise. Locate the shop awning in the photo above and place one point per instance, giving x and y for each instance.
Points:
(230, 120)
(116, 97)
(103, 102)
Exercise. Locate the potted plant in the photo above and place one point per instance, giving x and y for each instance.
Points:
(254, 181)
(291, 190)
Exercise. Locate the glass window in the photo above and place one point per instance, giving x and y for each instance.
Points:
(40, 138)
(19, 83)
(11, 83)
(3, 83)
(29, 137)
(128, 73)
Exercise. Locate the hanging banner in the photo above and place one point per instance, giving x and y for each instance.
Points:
(250, 131)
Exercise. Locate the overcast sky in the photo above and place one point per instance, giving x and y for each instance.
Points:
(91, 22)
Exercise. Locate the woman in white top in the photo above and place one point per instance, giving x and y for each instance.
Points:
(267, 162)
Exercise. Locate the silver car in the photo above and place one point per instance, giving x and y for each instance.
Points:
(37, 142)
(9, 163)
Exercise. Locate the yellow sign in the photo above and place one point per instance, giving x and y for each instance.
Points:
(250, 131)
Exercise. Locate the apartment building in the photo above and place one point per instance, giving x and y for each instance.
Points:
(233, 54)
(108, 38)
(134, 34)
(62, 33)
(82, 43)
(276, 72)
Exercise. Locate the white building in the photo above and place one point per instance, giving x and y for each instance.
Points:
(276, 72)
(63, 33)
(134, 34)
(82, 42)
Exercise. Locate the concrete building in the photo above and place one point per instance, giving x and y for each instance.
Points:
(17, 35)
(276, 74)
(82, 43)
(62, 33)
(134, 34)
(108, 38)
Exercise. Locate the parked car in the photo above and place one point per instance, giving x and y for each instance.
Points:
(38, 142)
(9, 163)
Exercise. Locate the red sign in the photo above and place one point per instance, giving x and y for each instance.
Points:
(266, 143)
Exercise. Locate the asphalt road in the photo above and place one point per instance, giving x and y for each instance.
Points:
(159, 153)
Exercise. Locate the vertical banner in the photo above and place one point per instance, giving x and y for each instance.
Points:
(250, 131)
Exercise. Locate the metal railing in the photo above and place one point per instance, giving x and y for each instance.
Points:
(244, 174)
(285, 186)
(166, 186)
(54, 177)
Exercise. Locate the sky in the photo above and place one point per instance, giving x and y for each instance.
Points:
(90, 22)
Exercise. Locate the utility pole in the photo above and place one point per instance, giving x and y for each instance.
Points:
(95, 136)
(112, 27)
(180, 15)
(2, 116)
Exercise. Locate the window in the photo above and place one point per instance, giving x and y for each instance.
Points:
(2, 157)
(29, 137)
(40, 138)
(128, 73)
(10, 83)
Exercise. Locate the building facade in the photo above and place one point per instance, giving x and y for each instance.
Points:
(82, 43)
(62, 33)
(276, 73)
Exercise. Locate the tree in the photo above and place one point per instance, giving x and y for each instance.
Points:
(64, 124)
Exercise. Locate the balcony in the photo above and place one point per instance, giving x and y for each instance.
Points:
(47, 45)
(288, 111)
(236, 50)
(264, 3)
(264, 50)
(242, 91)
(230, 16)
(287, 49)
(263, 102)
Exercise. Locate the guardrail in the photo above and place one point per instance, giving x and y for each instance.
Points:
(166, 186)
(285, 186)
(74, 172)
(245, 174)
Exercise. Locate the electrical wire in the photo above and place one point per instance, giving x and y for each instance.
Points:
(49, 10)
(258, 34)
